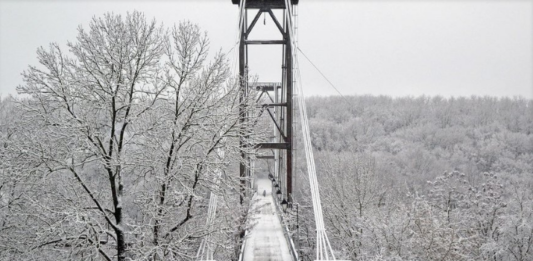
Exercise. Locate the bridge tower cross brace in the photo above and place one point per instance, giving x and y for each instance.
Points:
(282, 118)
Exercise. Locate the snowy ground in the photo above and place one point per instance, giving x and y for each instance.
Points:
(265, 241)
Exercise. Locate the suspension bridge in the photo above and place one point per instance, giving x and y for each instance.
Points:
(269, 237)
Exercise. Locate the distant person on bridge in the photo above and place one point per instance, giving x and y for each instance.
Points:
(264, 193)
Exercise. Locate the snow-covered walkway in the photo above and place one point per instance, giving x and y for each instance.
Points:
(265, 240)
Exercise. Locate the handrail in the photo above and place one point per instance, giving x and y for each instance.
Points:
(292, 248)
(241, 255)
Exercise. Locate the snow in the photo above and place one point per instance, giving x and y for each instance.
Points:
(265, 240)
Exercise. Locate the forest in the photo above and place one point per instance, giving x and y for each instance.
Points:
(117, 143)
(424, 178)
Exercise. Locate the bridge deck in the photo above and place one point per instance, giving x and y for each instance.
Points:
(265, 240)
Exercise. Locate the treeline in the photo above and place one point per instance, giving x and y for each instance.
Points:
(426, 178)
(416, 139)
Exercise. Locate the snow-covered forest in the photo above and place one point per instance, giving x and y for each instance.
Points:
(119, 139)
(426, 178)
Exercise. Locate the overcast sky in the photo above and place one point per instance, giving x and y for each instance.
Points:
(394, 47)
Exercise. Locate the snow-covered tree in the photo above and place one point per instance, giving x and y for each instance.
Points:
(123, 135)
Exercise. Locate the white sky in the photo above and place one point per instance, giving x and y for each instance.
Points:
(394, 47)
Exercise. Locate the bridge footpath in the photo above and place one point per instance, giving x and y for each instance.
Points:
(265, 240)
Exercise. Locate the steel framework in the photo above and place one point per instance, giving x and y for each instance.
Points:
(281, 107)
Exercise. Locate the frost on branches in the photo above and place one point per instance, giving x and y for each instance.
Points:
(115, 152)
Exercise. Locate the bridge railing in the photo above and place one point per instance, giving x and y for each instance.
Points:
(244, 238)
(241, 255)
(292, 248)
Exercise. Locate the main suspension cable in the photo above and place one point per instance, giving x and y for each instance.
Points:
(319, 71)
(323, 250)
